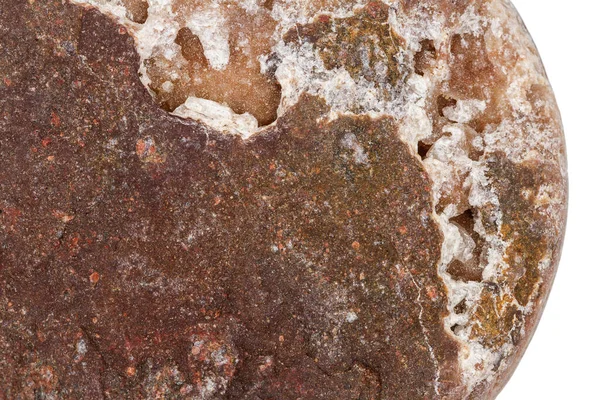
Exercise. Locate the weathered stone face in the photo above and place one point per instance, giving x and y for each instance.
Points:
(391, 232)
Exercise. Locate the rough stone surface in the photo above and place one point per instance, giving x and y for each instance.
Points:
(272, 199)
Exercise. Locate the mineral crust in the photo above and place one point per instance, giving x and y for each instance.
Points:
(272, 199)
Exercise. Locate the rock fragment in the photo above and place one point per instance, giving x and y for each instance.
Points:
(249, 199)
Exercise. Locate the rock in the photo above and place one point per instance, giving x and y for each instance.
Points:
(268, 199)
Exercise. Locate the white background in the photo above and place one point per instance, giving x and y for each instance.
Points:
(563, 360)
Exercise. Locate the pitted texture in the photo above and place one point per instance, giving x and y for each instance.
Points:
(391, 232)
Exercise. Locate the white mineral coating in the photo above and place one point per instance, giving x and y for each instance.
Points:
(217, 116)
(209, 25)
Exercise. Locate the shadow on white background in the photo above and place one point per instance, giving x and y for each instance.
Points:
(563, 359)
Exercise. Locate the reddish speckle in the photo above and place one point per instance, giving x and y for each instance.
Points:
(55, 120)
(147, 151)
(94, 277)
(12, 214)
(355, 245)
(140, 147)
(64, 217)
(376, 10)
(324, 19)
(432, 292)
